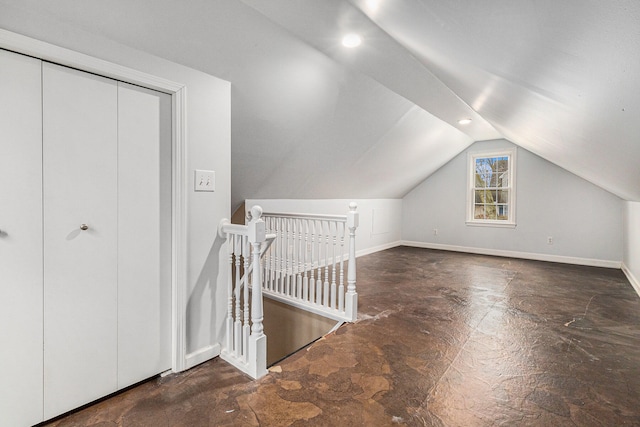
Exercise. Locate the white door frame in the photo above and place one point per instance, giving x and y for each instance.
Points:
(48, 52)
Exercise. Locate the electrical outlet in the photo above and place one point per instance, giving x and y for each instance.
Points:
(549, 240)
(204, 180)
(435, 231)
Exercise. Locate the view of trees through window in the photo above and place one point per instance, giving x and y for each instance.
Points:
(491, 188)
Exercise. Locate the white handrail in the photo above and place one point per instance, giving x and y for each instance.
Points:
(305, 216)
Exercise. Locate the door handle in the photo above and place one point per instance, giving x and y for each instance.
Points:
(84, 227)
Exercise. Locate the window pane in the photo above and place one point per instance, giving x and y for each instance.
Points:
(503, 212)
(503, 196)
(479, 198)
(504, 179)
(490, 212)
(483, 171)
(478, 212)
(502, 164)
(494, 180)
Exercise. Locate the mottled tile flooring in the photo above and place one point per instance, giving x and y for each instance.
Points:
(443, 339)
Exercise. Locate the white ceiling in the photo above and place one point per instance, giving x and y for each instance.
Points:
(311, 119)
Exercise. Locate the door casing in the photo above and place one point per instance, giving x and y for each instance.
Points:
(179, 179)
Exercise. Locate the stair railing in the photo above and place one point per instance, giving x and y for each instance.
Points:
(245, 344)
(305, 266)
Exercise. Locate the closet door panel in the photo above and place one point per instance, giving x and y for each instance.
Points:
(80, 267)
(144, 234)
(20, 240)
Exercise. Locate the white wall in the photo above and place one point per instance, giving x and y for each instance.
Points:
(380, 219)
(631, 261)
(584, 220)
(208, 147)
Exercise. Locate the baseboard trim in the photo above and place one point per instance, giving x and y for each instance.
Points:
(373, 249)
(632, 279)
(201, 355)
(516, 254)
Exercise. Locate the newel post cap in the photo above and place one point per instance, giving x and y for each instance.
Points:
(353, 216)
(257, 231)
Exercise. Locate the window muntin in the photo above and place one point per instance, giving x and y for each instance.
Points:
(491, 193)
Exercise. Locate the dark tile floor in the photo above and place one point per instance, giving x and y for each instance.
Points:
(443, 339)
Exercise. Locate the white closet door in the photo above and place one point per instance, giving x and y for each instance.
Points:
(20, 240)
(144, 234)
(80, 267)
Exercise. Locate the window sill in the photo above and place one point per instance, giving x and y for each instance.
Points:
(491, 224)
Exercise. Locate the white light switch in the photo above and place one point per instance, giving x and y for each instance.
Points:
(204, 181)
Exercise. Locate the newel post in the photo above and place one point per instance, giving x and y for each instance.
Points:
(258, 340)
(351, 306)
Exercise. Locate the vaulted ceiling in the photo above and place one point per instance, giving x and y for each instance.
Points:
(313, 119)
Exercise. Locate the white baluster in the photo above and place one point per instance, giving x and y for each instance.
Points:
(237, 330)
(319, 280)
(333, 265)
(325, 290)
(229, 324)
(246, 255)
(295, 257)
(266, 270)
(312, 282)
(288, 252)
(341, 287)
(299, 243)
(272, 257)
(279, 252)
(305, 277)
(276, 250)
(292, 258)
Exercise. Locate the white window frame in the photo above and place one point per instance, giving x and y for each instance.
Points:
(510, 153)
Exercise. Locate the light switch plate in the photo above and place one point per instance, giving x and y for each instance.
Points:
(204, 180)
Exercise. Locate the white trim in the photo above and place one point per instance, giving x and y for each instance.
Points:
(179, 238)
(48, 52)
(335, 327)
(480, 223)
(201, 355)
(515, 254)
(632, 279)
(373, 249)
(337, 315)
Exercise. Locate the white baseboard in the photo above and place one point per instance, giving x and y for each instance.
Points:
(378, 248)
(202, 355)
(515, 254)
(632, 279)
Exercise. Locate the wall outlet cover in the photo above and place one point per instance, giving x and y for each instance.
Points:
(204, 180)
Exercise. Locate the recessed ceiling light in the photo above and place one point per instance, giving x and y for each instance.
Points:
(464, 121)
(373, 5)
(351, 40)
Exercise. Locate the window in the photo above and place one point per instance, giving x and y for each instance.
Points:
(491, 191)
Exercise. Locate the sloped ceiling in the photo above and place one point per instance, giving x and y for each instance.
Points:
(311, 119)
